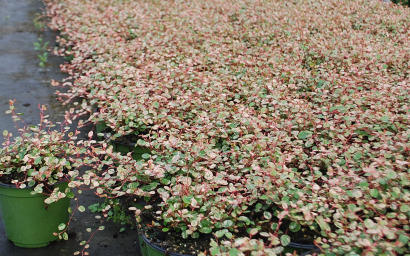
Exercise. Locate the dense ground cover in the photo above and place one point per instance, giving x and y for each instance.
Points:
(295, 110)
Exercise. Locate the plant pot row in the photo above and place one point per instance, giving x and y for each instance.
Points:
(30, 223)
(149, 248)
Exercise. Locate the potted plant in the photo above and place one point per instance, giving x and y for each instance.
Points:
(35, 172)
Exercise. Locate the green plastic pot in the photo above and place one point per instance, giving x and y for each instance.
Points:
(100, 127)
(27, 220)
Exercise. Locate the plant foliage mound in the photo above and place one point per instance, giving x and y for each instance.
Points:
(258, 114)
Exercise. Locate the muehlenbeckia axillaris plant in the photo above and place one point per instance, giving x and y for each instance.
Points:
(261, 115)
(39, 157)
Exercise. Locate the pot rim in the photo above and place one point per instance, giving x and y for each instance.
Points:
(292, 244)
(158, 248)
(5, 185)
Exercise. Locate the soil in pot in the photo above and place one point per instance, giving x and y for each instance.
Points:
(171, 242)
(302, 240)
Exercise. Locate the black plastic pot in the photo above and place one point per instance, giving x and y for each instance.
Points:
(121, 147)
(301, 249)
(150, 249)
(125, 148)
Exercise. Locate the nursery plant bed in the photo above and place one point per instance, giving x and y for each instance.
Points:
(154, 242)
(300, 104)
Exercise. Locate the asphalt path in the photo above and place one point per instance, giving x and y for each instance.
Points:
(22, 79)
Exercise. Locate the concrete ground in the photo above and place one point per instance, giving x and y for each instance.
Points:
(22, 78)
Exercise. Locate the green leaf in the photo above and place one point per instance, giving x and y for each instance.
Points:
(294, 227)
(31, 183)
(145, 156)
(221, 233)
(304, 134)
(94, 207)
(184, 234)
(368, 223)
(374, 192)
(227, 223)
(195, 235)
(403, 238)
(215, 251)
(391, 175)
(364, 184)
(187, 199)
(285, 240)
(31, 173)
(357, 156)
(274, 226)
(253, 231)
(61, 226)
(385, 119)
(322, 223)
(267, 215)
(233, 252)
(404, 208)
(70, 194)
(81, 208)
(205, 230)
(165, 181)
(244, 219)
(205, 223)
(141, 142)
(264, 197)
(38, 189)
